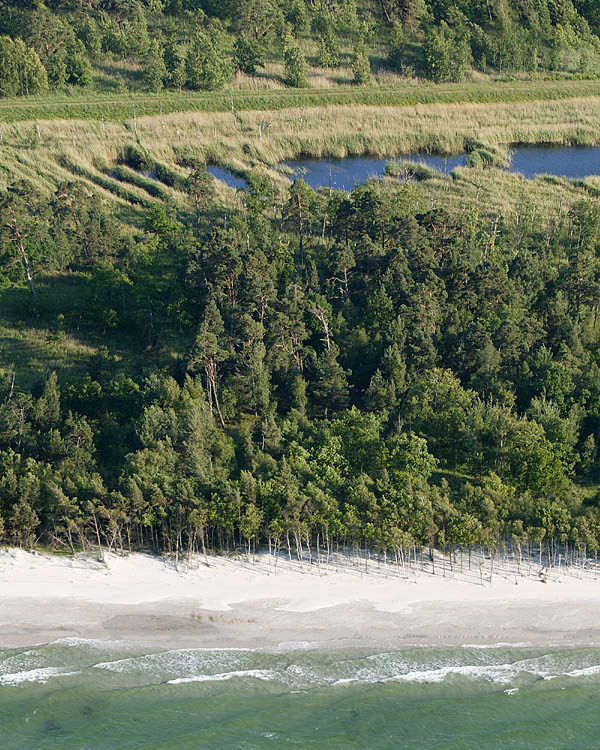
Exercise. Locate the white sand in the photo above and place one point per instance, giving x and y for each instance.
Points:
(43, 596)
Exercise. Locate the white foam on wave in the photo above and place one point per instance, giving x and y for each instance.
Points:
(74, 641)
(176, 661)
(286, 646)
(496, 673)
(23, 661)
(501, 673)
(484, 646)
(357, 680)
(41, 675)
(545, 667)
(585, 672)
(302, 673)
(259, 674)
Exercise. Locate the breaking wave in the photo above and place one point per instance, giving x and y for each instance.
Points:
(297, 665)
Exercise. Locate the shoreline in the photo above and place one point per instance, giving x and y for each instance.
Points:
(234, 603)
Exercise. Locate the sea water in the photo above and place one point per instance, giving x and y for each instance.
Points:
(92, 695)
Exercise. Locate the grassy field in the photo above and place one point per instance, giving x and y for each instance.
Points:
(48, 152)
(120, 106)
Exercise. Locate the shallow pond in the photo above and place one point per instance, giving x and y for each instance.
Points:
(227, 177)
(562, 161)
(345, 174)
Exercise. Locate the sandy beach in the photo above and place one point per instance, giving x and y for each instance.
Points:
(235, 602)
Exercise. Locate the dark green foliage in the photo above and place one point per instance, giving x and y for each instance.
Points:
(90, 35)
(248, 54)
(62, 53)
(447, 57)
(333, 357)
(397, 52)
(329, 50)
(174, 63)
(361, 66)
(206, 66)
(302, 364)
(297, 15)
(295, 65)
(80, 46)
(77, 64)
(21, 71)
(155, 70)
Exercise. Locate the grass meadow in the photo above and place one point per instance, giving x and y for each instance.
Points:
(267, 94)
(48, 152)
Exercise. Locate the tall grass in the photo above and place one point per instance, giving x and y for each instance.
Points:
(261, 140)
(55, 332)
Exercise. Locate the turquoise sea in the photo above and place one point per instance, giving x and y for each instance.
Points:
(93, 695)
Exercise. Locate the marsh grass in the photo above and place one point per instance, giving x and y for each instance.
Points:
(96, 151)
(147, 183)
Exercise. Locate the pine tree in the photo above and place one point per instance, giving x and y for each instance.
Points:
(330, 390)
(295, 65)
(47, 408)
(208, 353)
(78, 67)
(447, 58)
(329, 50)
(206, 66)
(155, 70)
(360, 64)
(89, 33)
(174, 62)
(248, 54)
(395, 58)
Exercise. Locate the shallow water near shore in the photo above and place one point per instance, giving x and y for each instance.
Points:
(82, 694)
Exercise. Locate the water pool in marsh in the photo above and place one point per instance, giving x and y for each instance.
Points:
(344, 174)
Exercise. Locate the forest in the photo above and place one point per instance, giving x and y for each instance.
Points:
(152, 45)
(381, 368)
(185, 367)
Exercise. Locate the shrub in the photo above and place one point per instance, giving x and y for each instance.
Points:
(361, 66)
(447, 57)
(296, 66)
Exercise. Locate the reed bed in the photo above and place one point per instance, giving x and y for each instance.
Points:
(48, 152)
(251, 140)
